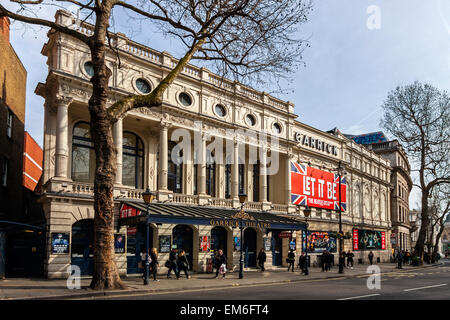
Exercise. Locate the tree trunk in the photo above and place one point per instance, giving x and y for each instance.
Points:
(425, 221)
(105, 275)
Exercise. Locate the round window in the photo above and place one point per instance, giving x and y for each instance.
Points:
(251, 121)
(142, 85)
(277, 127)
(185, 99)
(89, 68)
(220, 110)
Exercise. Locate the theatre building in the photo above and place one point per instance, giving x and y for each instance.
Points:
(220, 124)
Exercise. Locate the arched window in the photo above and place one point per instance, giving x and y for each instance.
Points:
(133, 161)
(83, 154)
(210, 174)
(175, 172)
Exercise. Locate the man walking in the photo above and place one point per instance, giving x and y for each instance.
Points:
(371, 257)
(262, 259)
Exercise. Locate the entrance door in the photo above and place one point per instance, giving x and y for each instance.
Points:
(82, 245)
(250, 247)
(183, 236)
(277, 245)
(136, 242)
(219, 240)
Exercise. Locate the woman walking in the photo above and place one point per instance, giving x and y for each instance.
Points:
(183, 264)
(220, 263)
(154, 263)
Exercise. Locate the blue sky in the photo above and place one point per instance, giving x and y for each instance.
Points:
(349, 68)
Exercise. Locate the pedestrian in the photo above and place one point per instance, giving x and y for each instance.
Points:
(144, 261)
(302, 262)
(329, 257)
(408, 257)
(154, 263)
(350, 256)
(261, 259)
(399, 259)
(291, 260)
(324, 261)
(220, 262)
(173, 257)
(183, 264)
(371, 257)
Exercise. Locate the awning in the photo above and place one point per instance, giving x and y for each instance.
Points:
(133, 213)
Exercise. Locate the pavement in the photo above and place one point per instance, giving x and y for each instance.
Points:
(46, 289)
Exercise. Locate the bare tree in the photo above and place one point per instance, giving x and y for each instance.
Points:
(251, 40)
(419, 116)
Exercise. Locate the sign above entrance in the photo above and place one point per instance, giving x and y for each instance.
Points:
(317, 188)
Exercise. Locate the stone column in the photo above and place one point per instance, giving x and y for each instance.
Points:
(118, 141)
(163, 156)
(235, 172)
(287, 187)
(202, 166)
(62, 133)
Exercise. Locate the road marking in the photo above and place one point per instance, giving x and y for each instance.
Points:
(438, 285)
(369, 295)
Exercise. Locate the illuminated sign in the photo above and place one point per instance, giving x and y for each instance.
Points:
(317, 188)
(314, 143)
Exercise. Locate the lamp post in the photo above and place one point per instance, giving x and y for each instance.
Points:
(306, 212)
(340, 172)
(148, 197)
(242, 197)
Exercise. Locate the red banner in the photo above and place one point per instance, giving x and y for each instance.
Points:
(317, 188)
(383, 240)
(355, 239)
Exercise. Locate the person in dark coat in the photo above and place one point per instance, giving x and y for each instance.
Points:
(154, 263)
(302, 262)
(218, 261)
(350, 256)
(173, 257)
(399, 259)
(324, 261)
(261, 259)
(370, 257)
(183, 264)
(291, 260)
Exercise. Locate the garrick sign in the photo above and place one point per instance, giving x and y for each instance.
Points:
(235, 223)
(314, 143)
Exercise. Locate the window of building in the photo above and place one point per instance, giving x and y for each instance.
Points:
(210, 174)
(256, 182)
(143, 85)
(133, 161)
(9, 124)
(228, 181)
(276, 127)
(83, 154)
(185, 99)
(220, 110)
(250, 119)
(5, 172)
(89, 68)
(175, 172)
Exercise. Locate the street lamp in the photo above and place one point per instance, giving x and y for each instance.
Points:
(306, 212)
(340, 172)
(148, 197)
(242, 197)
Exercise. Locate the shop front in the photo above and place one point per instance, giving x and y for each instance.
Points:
(201, 232)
